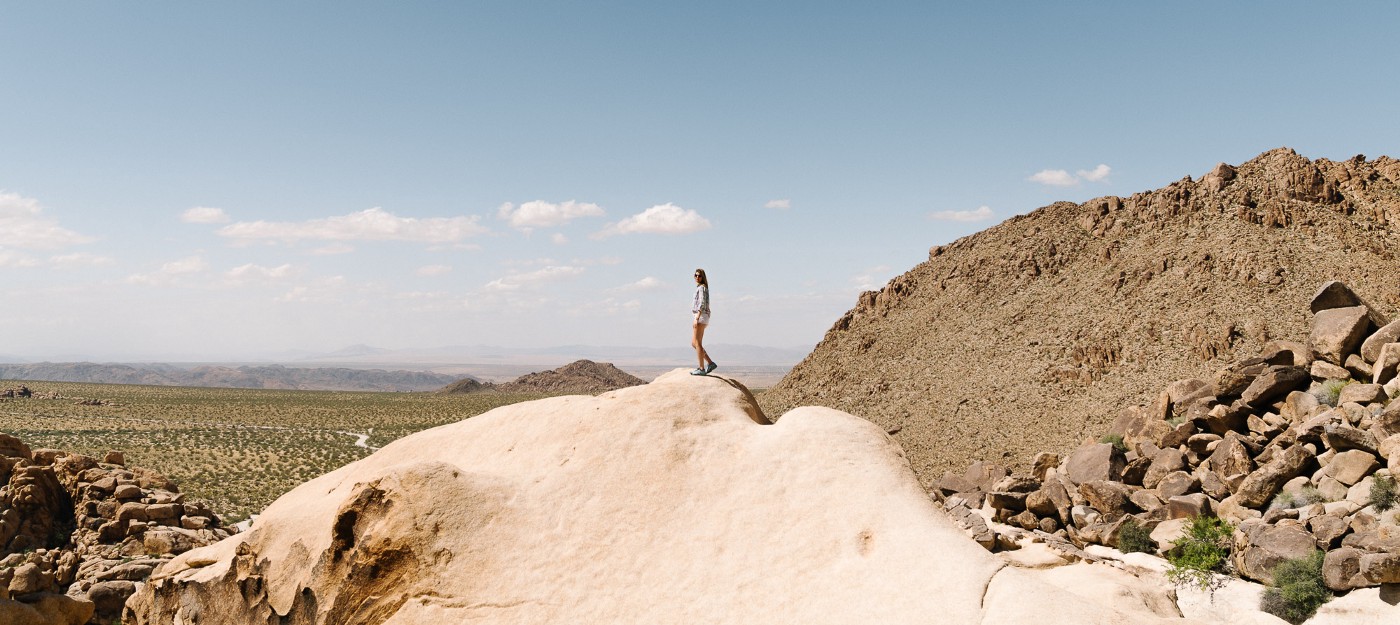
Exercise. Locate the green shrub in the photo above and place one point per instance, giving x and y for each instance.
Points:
(1134, 538)
(1328, 392)
(1201, 553)
(1383, 493)
(1298, 589)
(1116, 440)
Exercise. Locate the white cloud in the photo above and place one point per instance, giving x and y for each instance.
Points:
(661, 219)
(245, 274)
(16, 260)
(872, 279)
(783, 204)
(1054, 177)
(559, 239)
(1062, 178)
(374, 224)
(432, 270)
(1097, 174)
(648, 283)
(22, 225)
(168, 272)
(981, 213)
(540, 214)
(332, 249)
(204, 215)
(551, 273)
(81, 259)
(325, 290)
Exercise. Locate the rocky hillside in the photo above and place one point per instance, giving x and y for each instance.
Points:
(578, 377)
(79, 534)
(1028, 336)
(1299, 447)
(264, 376)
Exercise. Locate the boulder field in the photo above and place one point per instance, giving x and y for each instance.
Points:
(673, 502)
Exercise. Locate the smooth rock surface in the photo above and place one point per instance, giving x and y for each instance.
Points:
(671, 502)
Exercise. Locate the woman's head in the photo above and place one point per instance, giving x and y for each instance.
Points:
(700, 277)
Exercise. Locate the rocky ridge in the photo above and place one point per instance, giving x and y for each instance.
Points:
(1012, 341)
(1289, 445)
(79, 534)
(580, 377)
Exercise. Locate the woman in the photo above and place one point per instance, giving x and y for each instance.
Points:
(701, 309)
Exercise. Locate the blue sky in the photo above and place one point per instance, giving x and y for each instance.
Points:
(207, 181)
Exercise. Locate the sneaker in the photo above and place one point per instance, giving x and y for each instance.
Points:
(711, 368)
(698, 372)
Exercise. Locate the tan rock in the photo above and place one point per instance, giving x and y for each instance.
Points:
(1381, 568)
(1177, 483)
(1337, 332)
(1357, 367)
(1321, 370)
(1362, 393)
(1349, 467)
(1387, 363)
(1371, 347)
(45, 609)
(1044, 463)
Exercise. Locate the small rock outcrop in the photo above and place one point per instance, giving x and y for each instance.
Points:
(579, 377)
(78, 535)
(1299, 447)
(671, 502)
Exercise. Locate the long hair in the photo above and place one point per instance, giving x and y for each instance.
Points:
(703, 280)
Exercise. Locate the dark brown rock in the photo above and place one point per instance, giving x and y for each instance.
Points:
(1272, 385)
(1269, 547)
(1341, 568)
(1189, 506)
(1164, 462)
(1112, 499)
(1328, 529)
(1261, 485)
(1231, 456)
(1340, 437)
(1095, 462)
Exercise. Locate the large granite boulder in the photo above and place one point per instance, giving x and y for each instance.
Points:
(673, 502)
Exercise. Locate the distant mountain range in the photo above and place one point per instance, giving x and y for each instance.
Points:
(368, 368)
(746, 355)
(261, 376)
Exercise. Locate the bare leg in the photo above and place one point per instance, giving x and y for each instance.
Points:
(696, 341)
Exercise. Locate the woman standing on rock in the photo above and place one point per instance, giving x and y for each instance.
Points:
(701, 309)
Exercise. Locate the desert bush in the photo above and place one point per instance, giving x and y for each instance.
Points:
(1134, 538)
(1202, 553)
(1306, 496)
(1116, 440)
(1298, 589)
(1328, 392)
(1383, 493)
